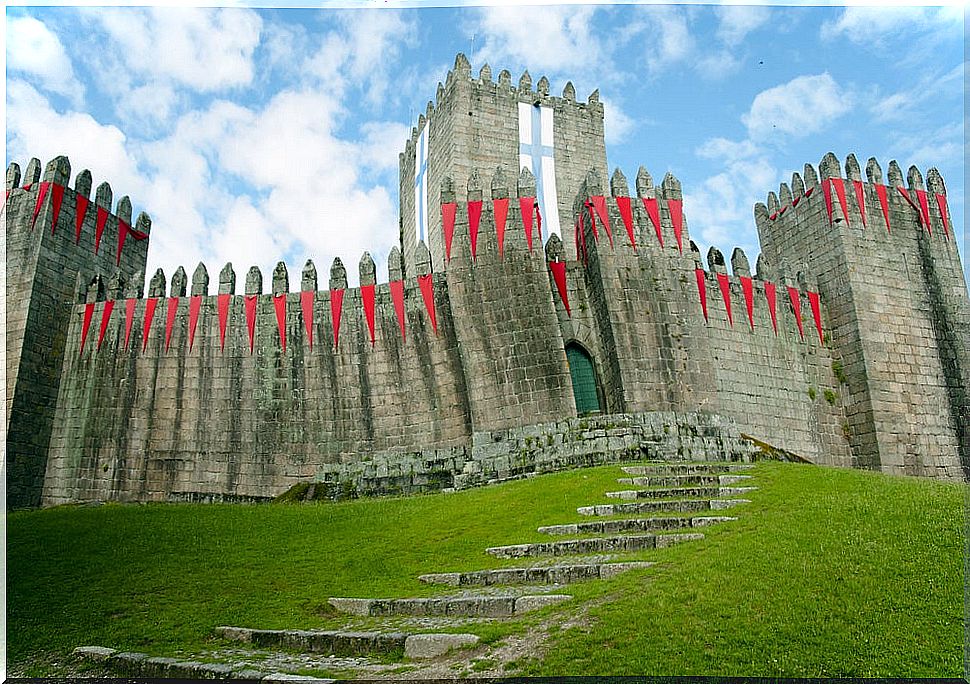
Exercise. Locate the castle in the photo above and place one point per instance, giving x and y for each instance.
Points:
(532, 319)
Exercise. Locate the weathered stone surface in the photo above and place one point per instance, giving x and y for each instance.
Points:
(318, 641)
(633, 525)
(422, 646)
(685, 468)
(544, 574)
(682, 480)
(94, 653)
(679, 492)
(525, 604)
(585, 546)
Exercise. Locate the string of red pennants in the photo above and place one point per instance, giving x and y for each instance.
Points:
(82, 203)
(747, 288)
(368, 297)
(921, 205)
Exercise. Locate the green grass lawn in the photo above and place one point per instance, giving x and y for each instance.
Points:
(827, 573)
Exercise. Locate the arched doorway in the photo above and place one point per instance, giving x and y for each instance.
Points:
(583, 373)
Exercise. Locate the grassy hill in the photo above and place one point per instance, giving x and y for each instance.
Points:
(826, 573)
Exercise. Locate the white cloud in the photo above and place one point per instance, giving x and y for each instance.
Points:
(717, 65)
(203, 49)
(34, 49)
(737, 21)
(804, 105)
(551, 38)
(672, 41)
(873, 24)
(617, 124)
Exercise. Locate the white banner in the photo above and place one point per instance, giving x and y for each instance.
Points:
(536, 153)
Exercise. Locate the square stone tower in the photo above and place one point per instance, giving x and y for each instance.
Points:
(477, 126)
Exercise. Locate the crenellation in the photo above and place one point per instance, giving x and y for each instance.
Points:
(873, 172)
(525, 83)
(103, 196)
(810, 177)
(739, 263)
(797, 187)
(644, 184)
(308, 278)
(784, 196)
(200, 280)
(618, 184)
(485, 74)
(156, 288)
(934, 182)
(764, 270)
(505, 79)
(58, 171)
(254, 282)
(852, 170)
(338, 275)
(542, 87)
(227, 280)
(281, 279)
(83, 183)
(116, 286)
(95, 290)
(179, 283)
(914, 179)
(32, 173)
(526, 185)
(773, 204)
(715, 261)
(569, 92)
(895, 175)
(13, 176)
(367, 270)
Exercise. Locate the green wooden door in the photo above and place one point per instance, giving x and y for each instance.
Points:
(584, 379)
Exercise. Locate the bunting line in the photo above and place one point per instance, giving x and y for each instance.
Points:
(860, 198)
(653, 211)
(725, 285)
(80, 211)
(173, 305)
(526, 207)
(816, 313)
(796, 304)
(883, 204)
(448, 210)
(676, 209)
(129, 319)
(150, 305)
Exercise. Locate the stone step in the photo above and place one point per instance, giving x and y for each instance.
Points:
(683, 480)
(635, 525)
(141, 666)
(540, 574)
(679, 492)
(594, 545)
(685, 468)
(660, 506)
(462, 606)
(350, 643)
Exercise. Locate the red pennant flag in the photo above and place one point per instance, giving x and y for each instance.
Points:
(747, 287)
(725, 284)
(336, 307)
(27, 187)
(558, 269)
(626, 213)
(592, 219)
(109, 306)
(195, 303)
(796, 304)
(676, 208)
(653, 211)
(129, 319)
(883, 203)
(41, 195)
(85, 324)
(941, 203)
(809, 191)
(783, 210)
(124, 230)
(827, 191)
(840, 192)
(795, 201)
(173, 306)
(770, 296)
(701, 289)
(306, 305)
(150, 305)
(279, 302)
(905, 193)
(397, 297)
(99, 227)
(367, 295)
(427, 293)
(250, 302)
(223, 303)
(474, 220)
(526, 206)
(924, 209)
(816, 312)
(773, 216)
(501, 209)
(860, 198)
(539, 222)
(448, 223)
(599, 203)
(79, 213)
(57, 198)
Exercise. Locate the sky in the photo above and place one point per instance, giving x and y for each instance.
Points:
(256, 135)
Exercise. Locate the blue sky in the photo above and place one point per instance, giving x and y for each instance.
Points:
(254, 135)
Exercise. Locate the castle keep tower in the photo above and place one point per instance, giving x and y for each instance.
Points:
(477, 126)
(58, 241)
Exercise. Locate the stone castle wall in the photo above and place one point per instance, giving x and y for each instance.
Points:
(44, 262)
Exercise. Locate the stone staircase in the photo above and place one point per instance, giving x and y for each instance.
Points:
(596, 550)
